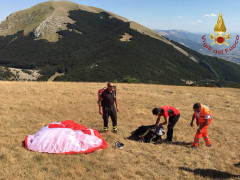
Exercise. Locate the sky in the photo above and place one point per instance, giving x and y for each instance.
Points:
(196, 16)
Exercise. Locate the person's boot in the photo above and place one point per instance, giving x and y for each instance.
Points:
(105, 129)
(115, 130)
(194, 147)
(167, 141)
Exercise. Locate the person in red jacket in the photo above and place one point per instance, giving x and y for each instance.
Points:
(203, 119)
(167, 111)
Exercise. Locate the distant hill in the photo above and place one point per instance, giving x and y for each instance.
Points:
(90, 44)
(194, 41)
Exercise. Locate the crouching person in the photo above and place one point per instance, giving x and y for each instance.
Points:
(167, 111)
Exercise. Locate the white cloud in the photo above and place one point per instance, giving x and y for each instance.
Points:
(210, 15)
(197, 22)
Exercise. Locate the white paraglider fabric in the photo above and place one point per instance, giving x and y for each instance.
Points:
(66, 137)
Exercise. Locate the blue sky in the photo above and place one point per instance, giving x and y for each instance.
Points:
(198, 16)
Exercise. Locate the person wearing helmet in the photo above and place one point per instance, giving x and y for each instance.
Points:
(172, 113)
(203, 119)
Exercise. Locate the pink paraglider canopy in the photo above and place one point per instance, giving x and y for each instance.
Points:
(66, 137)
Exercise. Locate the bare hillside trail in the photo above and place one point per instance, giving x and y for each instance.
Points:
(54, 76)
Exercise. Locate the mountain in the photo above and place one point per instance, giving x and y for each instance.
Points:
(45, 19)
(90, 44)
(194, 41)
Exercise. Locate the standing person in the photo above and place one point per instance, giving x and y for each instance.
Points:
(203, 119)
(167, 111)
(107, 108)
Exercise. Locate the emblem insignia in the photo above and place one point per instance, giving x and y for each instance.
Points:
(220, 29)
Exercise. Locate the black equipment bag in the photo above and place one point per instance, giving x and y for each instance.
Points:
(146, 134)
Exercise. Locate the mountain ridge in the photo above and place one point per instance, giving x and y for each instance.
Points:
(54, 15)
(194, 41)
(58, 11)
(91, 49)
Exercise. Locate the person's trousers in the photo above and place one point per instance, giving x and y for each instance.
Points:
(171, 123)
(109, 111)
(203, 134)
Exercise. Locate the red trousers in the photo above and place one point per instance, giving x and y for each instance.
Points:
(203, 134)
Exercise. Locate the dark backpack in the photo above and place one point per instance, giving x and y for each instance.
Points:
(145, 134)
(100, 91)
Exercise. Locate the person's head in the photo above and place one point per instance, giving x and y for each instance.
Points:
(197, 107)
(156, 111)
(110, 86)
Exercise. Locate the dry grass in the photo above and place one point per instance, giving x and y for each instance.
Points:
(126, 37)
(28, 106)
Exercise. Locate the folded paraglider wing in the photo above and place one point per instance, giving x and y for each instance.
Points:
(66, 137)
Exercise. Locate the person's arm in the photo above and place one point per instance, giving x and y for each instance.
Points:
(165, 121)
(193, 117)
(158, 120)
(203, 125)
(116, 103)
(207, 117)
(99, 105)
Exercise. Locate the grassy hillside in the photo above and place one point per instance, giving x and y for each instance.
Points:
(194, 42)
(221, 68)
(237, 85)
(28, 106)
(91, 50)
(43, 19)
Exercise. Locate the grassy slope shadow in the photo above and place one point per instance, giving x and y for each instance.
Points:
(211, 173)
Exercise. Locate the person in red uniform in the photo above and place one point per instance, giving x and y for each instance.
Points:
(203, 119)
(167, 111)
